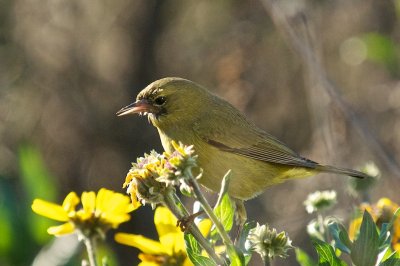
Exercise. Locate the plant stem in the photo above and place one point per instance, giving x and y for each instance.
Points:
(267, 261)
(322, 228)
(207, 208)
(89, 243)
(180, 212)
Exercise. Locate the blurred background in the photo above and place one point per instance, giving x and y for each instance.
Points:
(66, 67)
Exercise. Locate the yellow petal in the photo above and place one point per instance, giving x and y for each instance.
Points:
(173, 242)
(113, 207)
(205, 227)
(70, 202)
(114, 219)
(116, 203)
(89, 201)
(148, 260)
(187, 262)
(49, 210)
(165, 221)
(145, 244)
(82, 215)
(63, 229)
(384, 202)
(354, 227)
(135, 203)
(101, 199)
(148, 263)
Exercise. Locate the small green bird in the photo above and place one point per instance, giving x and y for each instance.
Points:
(223, 138)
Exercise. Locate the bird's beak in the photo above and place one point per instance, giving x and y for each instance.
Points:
(140, 106)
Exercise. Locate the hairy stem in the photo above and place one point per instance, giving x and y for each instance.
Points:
(89, 243)
(180, 212)
(207, 208)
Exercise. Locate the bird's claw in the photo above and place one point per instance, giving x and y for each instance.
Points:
(186, 221)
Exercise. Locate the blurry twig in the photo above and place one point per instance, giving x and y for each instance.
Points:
(303, 47)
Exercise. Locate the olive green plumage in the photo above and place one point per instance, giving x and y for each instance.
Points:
(223, 138)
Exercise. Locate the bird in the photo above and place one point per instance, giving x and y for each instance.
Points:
(224, 139)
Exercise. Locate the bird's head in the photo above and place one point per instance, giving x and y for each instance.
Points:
(170, 101)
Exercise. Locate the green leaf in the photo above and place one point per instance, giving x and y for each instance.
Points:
(365, 249)
(390, 262)
(225, 208)
(384, 235)
(193, 250)
(241, 243)
(326, 254)
(339, 234)
(236, 257)
(303, 259)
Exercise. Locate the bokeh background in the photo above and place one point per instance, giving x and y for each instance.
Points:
(66, 67)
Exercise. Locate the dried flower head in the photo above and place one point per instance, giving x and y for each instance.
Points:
(141, 180)
(156, 174)
(320, 201)
(268, 243)
(179, 164)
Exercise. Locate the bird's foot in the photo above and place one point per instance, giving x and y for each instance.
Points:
(185, 222)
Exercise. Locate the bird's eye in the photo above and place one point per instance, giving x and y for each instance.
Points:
(160, 100)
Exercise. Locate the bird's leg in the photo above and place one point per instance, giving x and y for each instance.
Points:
(241, 217)
(187, 220)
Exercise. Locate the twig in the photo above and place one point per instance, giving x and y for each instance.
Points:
(310, 60)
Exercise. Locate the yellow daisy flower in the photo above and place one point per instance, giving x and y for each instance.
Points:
(98, 213)
(170, 249)
(381, 212)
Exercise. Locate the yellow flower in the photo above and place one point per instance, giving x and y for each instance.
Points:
(108, 209)
(381, 212)
(170, 249)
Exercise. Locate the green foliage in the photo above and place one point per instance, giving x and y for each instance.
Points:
(326, 254)
(372, 247)
(365, 249)
(6, 217)
(241, 243)
(194, 252)
(236, 257)
(303, 259)
(339, 234)
(225, 212)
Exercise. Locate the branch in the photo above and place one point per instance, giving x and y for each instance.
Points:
(304, 49)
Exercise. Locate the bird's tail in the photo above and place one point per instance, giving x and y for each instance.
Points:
(341, 171)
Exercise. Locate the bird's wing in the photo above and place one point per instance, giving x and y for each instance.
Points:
(245, 139)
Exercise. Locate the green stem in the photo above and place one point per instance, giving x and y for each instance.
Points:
(89, 243)
(180, 212)
(322, 228)
(267, 261)
(207, 208)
